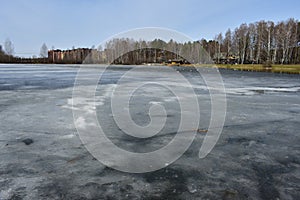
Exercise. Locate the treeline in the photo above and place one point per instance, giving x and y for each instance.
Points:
(4, 58)
(129, 51)
(263, 42)
(260, 42)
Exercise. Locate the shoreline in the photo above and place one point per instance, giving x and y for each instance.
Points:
(277, 68)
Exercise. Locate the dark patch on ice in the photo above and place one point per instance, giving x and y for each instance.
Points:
(56, 189)
(229, 194)
(238, 140)
(7, 87)
(119, 68)
(287, 160)
(65, 189)
(258, 91)
(94, 190)
(107, 171)
(19, 194)
(5, 183)
(243, 140)
(293, 111)
(16, 197)
(16, 170)
(174, 180)
(28, 141)
(266, 182)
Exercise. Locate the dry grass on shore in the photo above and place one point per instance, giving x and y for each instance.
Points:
(291, 69)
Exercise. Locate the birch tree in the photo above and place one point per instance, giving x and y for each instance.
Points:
(9, 47)
(44, 51)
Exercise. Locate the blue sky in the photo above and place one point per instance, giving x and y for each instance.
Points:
(83, 23)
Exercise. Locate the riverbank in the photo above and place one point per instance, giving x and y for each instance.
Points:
(290, 69)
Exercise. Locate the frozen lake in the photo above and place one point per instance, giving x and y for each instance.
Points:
(42, 157)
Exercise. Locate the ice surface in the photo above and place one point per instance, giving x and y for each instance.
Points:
(257, 156)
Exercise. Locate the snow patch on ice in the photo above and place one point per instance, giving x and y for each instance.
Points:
(70, 136)
(260, 90)
(89, 105)
(155, 102)
(80, 123)
(170, 99)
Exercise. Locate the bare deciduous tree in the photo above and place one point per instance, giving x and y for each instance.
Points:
(9, 47)
(228, 42)
(219, 39)
(44, 51)
(260, 42)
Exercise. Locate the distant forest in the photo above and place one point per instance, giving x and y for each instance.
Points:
(258, 43)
